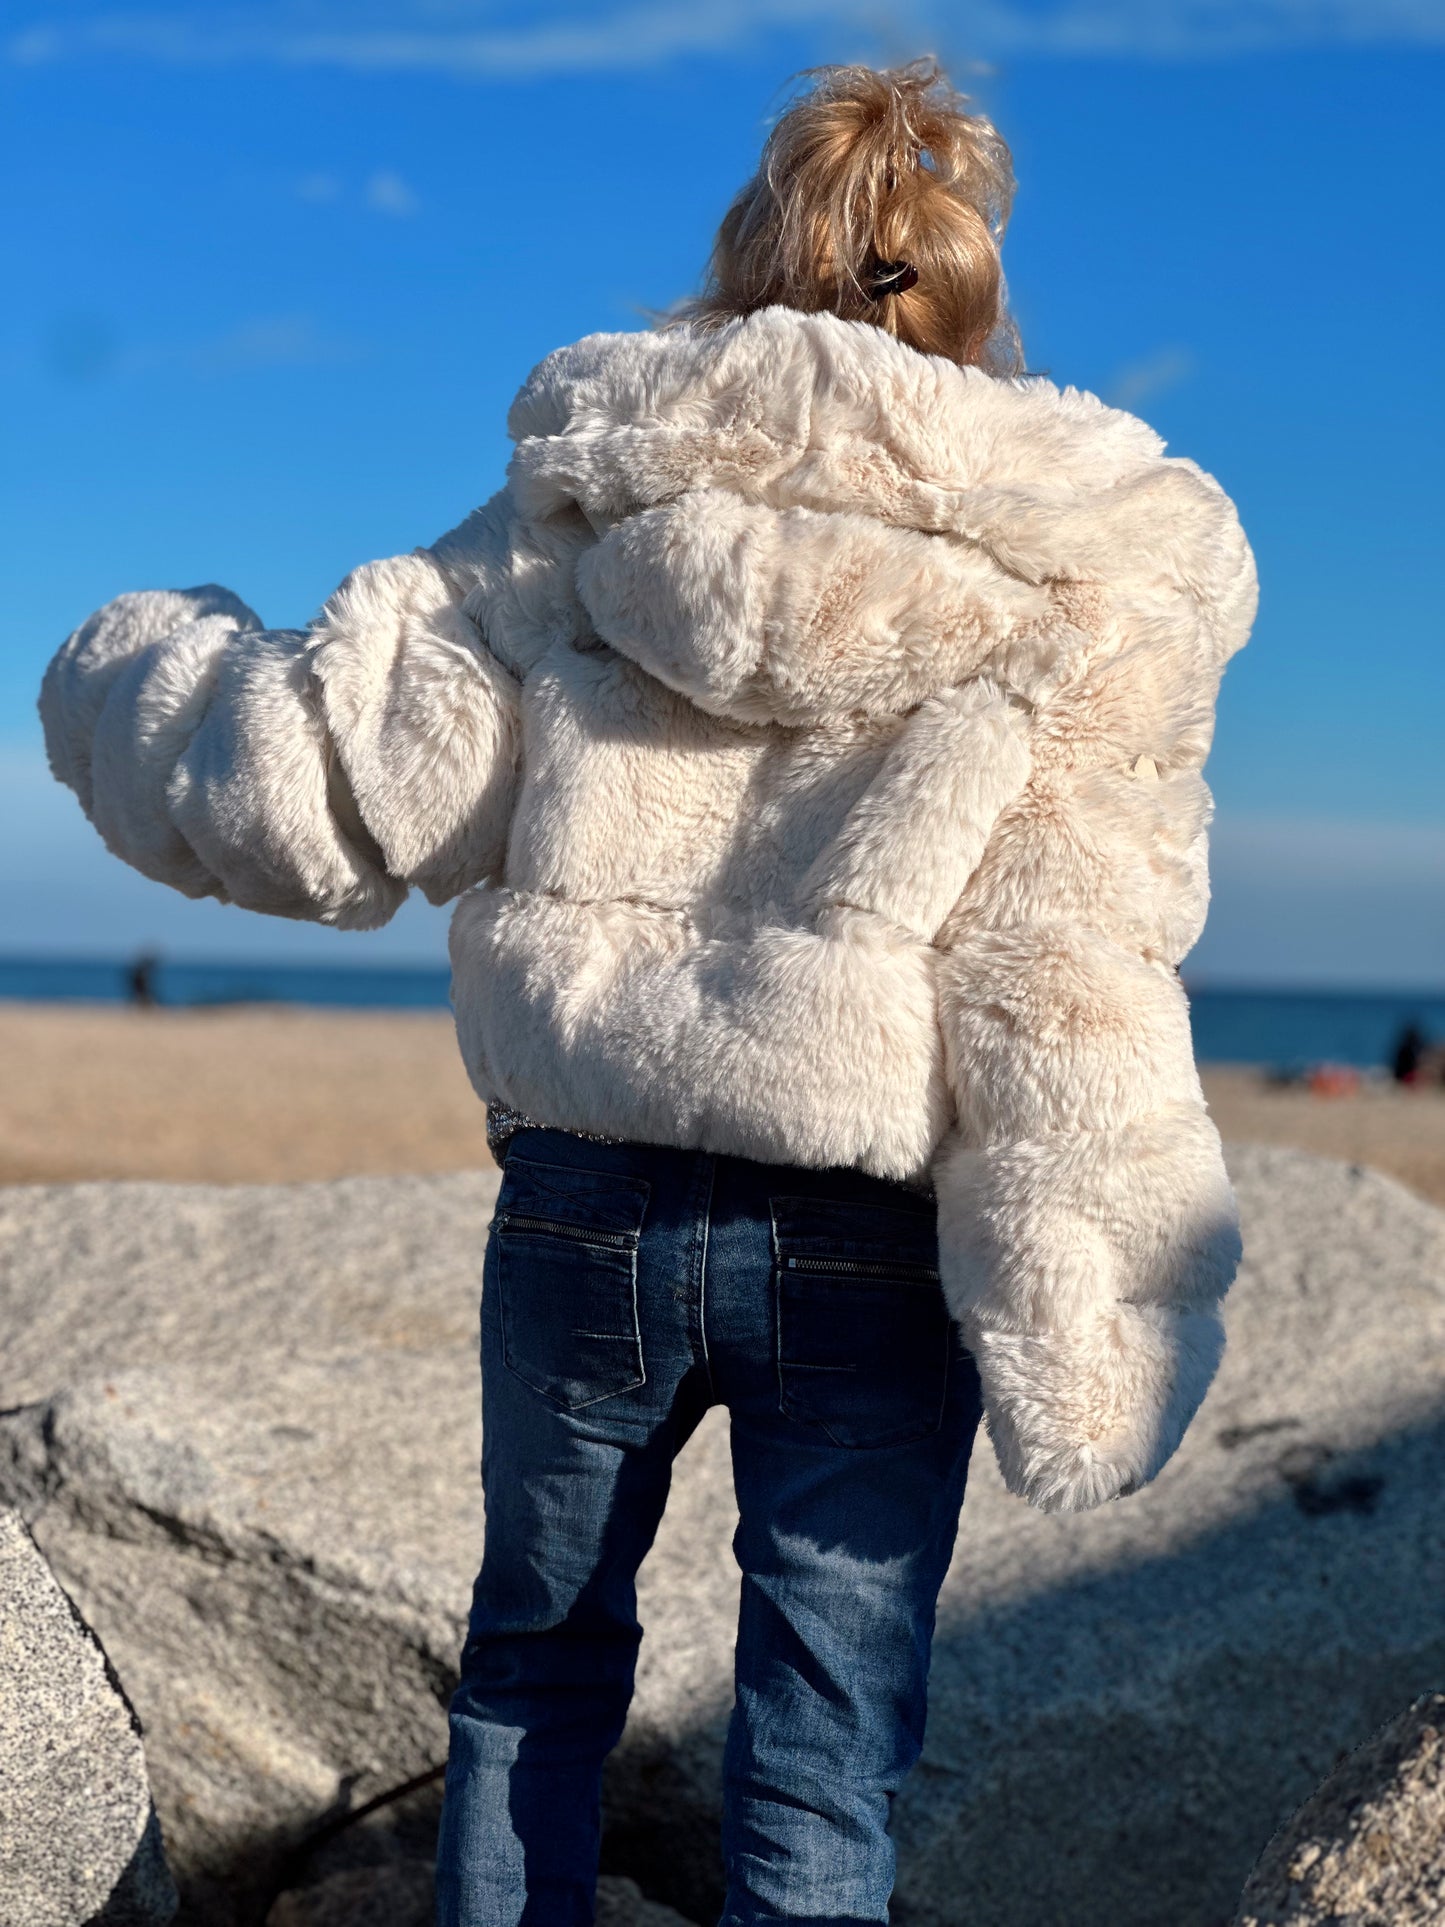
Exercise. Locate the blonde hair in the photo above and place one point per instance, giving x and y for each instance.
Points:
(865, 176)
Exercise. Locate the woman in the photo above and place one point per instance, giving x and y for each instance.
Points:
(811, 730)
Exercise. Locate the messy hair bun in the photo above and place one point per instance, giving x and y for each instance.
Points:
(880, 198)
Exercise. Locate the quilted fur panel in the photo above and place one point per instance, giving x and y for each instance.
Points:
(516, 578)
(635, 1026)
(805, 788)
(424, 720)
(250, 794)
(794, 615)
(1088, 1413)
(79, 677)
(152, 710)
(1051, 1027)
(907, 848)
(1118, 852)
(800, 410)
(629, 792)
(1043, 1232)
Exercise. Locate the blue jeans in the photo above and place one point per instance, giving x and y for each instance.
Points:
(628, 1288)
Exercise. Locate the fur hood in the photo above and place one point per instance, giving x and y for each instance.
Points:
(798, 517)
(812, 731)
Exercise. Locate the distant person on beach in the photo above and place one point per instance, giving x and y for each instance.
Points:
(141, 981)
(1407, 1060)
(811, 732)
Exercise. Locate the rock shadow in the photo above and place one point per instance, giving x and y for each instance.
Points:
(143, 1896)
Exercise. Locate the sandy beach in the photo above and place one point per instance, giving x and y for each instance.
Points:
(264, 1095)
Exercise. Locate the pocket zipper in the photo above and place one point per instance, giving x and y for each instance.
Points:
(864, 1268)
(581, 1234)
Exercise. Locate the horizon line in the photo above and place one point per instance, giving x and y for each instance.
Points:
(123, 960)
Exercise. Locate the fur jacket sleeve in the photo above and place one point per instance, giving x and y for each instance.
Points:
(315, 774)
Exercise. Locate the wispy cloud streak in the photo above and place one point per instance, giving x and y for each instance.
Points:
(619, 38)
(85, 348)
(1151, 376)
(272, 341)
(388, 193)
(472, 44)
(1195, 29)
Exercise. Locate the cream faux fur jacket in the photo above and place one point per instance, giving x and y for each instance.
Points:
(811, 731)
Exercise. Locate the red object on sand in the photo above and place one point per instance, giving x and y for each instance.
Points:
(1334, 1080)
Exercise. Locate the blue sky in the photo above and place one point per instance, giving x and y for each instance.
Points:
(275, 269)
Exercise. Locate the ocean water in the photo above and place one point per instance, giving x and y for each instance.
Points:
(194, 985)
(1294, 1029)
(1282, 1029)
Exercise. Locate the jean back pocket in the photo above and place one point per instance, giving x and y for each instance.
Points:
(864, 1336)
(566, 1270)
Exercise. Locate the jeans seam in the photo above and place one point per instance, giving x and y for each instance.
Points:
(700, 1251)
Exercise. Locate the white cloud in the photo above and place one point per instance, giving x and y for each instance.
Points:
(381, 38)
(320, 189)
(383, 192)
(388, 193)
(633, 36)
(1151, 376)
(1191, 29)
(86, 347)
(281, 341)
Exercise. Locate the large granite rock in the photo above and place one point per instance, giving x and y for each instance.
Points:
(1369, 1849)
(78, 1835)
(249, 1445)
(251, 1455)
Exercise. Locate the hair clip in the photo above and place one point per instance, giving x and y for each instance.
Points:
(891, 277)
